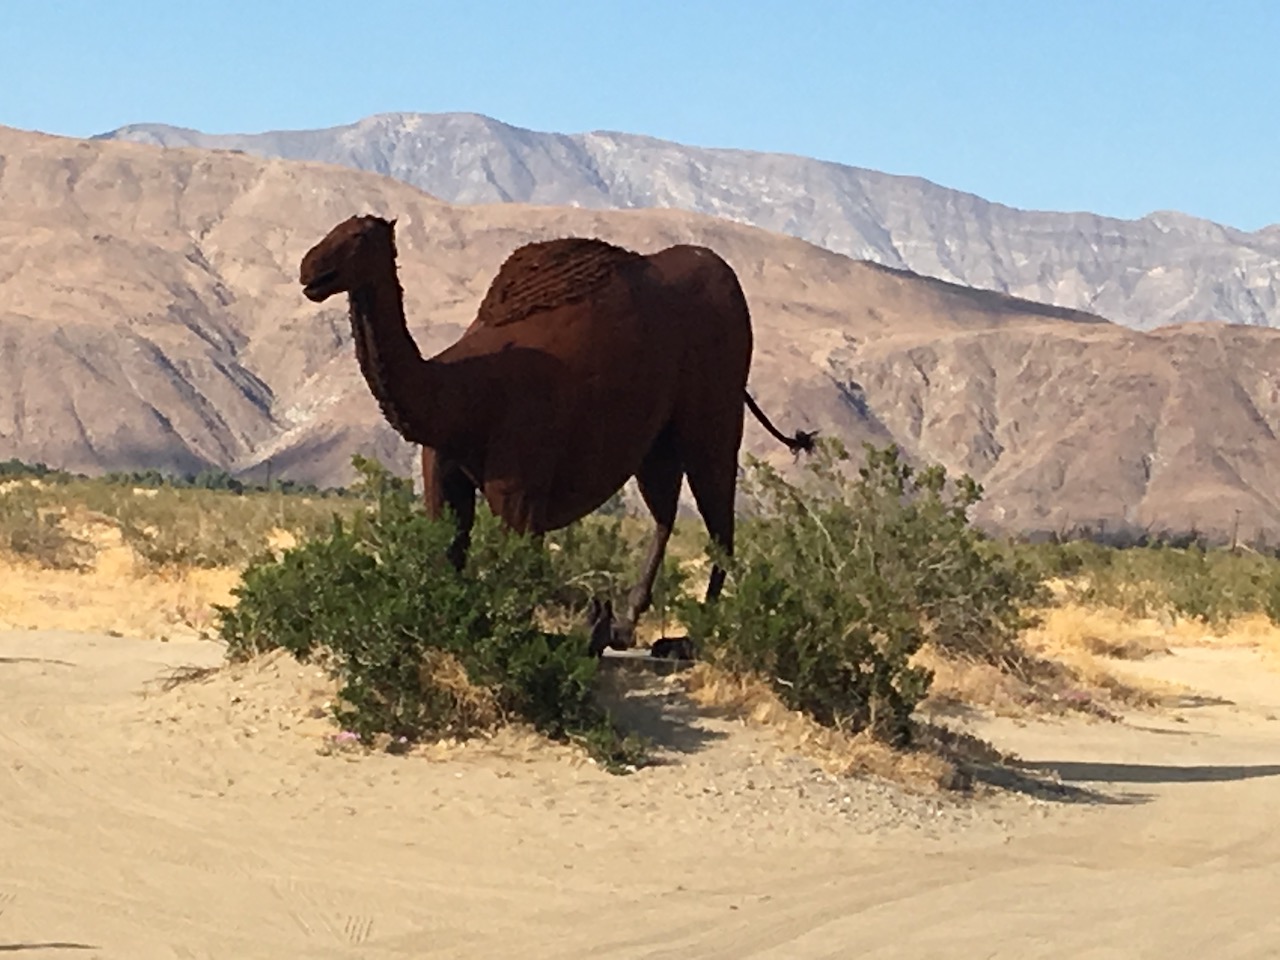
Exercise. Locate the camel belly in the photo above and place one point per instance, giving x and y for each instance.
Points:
(605, 444)
(594, 385)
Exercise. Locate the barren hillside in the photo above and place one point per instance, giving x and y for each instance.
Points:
(1164, 268)
(150, 316)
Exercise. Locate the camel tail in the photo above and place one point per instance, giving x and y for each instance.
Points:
(802, 442)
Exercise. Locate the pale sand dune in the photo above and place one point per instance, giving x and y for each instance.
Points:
(203, 822)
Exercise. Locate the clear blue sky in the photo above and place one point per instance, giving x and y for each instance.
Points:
(1116, 106)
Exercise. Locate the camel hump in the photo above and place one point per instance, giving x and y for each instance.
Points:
(550, 274)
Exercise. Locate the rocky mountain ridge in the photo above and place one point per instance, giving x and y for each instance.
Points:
(1163, 269)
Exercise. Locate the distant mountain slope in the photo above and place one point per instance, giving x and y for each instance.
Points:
(150, 316)
(1165, 268)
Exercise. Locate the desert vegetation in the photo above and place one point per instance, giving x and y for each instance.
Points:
(48, 516)
(859, 591)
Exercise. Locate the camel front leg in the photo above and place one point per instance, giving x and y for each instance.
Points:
(445, 487)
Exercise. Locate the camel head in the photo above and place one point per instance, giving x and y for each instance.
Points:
(348, 255)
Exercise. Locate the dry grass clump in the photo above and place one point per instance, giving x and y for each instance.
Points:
(114, 591)
(474, 708)
(1074, 658)
(1069, 628)
(1065, 667)
(1088, 638)
(961, 684)
(1085, 639)
(1053, 687)
(929, 766)
(1254, 631)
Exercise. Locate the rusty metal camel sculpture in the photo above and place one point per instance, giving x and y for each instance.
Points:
(586, 364)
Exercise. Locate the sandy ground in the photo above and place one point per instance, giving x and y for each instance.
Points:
(208, 821)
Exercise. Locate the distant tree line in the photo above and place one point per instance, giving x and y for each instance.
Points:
(153, 479)
(17, 468)
(1128, 537)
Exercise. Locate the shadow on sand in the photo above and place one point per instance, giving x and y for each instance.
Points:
(52, 945)
(1076, 771)
(670, 719)
(1039, 781)
(665, 716)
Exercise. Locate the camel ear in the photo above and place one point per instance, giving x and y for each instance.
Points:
(392, 222)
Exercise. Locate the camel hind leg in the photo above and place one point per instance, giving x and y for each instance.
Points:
(713, 490)
(709, 452)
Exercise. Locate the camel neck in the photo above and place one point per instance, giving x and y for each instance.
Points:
(398, 376)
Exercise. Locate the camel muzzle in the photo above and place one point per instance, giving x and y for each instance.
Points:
(320, 287)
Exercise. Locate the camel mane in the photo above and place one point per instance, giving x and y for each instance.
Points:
(551, 274)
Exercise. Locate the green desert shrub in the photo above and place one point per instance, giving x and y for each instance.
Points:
(592, 558)
(418, 649)
(837, 582)
(1212, 586)
(1060, 559)
(38, 471)
(1175, 579)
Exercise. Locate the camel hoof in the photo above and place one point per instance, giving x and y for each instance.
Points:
(622, 636)
(606, 632)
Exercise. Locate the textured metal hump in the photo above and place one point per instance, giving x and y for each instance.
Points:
(550, 274)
